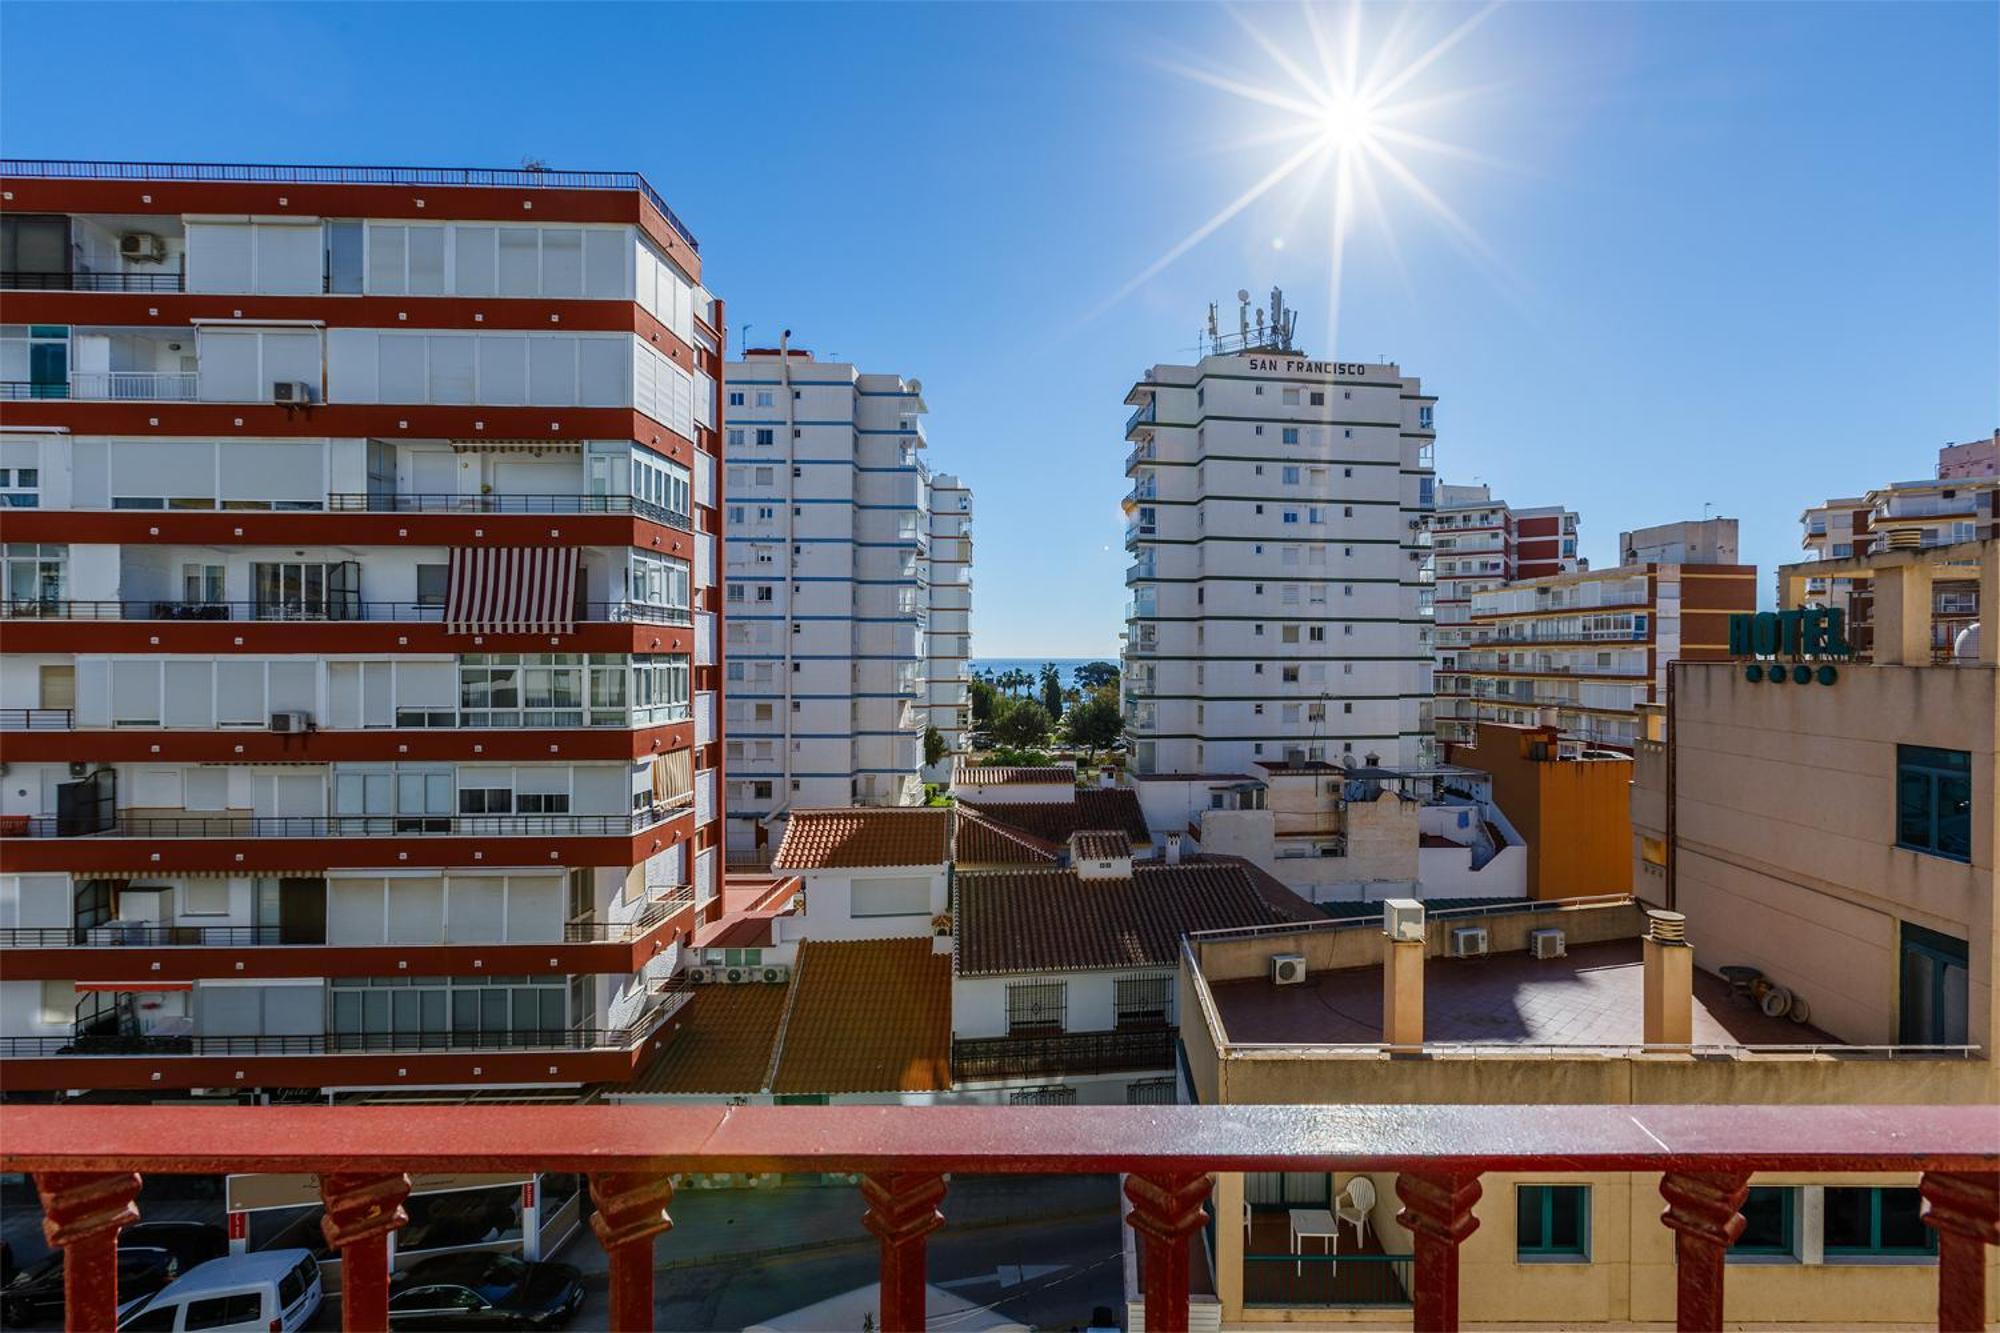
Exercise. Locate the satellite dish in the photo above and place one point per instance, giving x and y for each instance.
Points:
(1242, 293)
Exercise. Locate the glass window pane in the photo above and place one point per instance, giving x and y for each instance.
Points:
(1901, 1223)
(1848, 1220)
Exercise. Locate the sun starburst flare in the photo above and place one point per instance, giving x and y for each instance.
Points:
(1344, 139)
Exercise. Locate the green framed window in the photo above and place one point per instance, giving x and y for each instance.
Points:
(1552, 1223)
(1935, 989)
(1770, 1223)
(1934, 801)
(1866, 1220)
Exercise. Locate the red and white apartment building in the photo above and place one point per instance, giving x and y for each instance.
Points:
(358, 714)
(1479, 544)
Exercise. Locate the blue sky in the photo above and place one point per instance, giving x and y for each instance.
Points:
(1741, 254)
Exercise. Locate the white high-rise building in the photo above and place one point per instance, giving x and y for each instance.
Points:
(1280, 604)
(829, 590)
(949, 675)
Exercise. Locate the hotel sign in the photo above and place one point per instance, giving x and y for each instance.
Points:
(1810, 634)
(1292, 365)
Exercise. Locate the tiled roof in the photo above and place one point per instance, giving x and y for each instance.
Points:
(869, 1016)
(1054, 821)
(1100, 844)
(981, 841)
(997, 776)
(747, 930)
(1050, 920)
(870, 836)
(722, 1042)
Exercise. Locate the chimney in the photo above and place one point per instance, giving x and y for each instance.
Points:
(1173, 852)
(1669, 982)
(1107, 776)
(1403, 945)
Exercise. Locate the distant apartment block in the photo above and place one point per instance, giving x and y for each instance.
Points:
(358, 696)
(1582, 651)
(1279, 603)
(1971, 460)
(1479, 544)
(833, 526)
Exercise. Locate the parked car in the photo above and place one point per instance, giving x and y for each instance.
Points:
(275, 1290)
(484, 1290)
(36, 1293)
(192, 1243)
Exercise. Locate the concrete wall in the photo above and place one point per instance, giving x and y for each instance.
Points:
(1574, 814)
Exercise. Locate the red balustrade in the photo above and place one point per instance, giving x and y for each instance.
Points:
(87, 1162)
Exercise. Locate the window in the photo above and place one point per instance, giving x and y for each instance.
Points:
(225, 1311)
(736, 397)
(1318, 398)
(1142, 1002)
(764, 398)
(1875, 1221)
(1934, 801)
(1935, 988)
(433, 581)
(20, 488)
(765, 435)
(1552, 1222)
(1291, 397)
(1037, 1008)
(1770, 1223)
(1291, 435)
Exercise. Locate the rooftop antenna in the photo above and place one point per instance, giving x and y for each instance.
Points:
(1278, 315)
(743, 336)
(1214, 332)
(1243, 313)
(1706, 505)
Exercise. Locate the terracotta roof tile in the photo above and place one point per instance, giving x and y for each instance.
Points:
(999, 775)
(1050, 920)
(978, 841)
(869, 1016)
(1054, 821)
(1100, 844)
(722, 1042)
(865, 836)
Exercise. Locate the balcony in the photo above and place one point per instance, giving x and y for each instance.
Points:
(1058, 1054)
(37, 719)
(328, 607)
(161, 386)
(340, 826)
(45, 281)
(87, 1162)
(1142, 415)
(417, 502)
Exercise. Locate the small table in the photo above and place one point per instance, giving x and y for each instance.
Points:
(1318, 1223)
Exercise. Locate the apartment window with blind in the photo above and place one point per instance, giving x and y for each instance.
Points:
(1037, 1008)
(1143, 1002)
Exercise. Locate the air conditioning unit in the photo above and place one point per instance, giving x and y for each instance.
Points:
(1547, 943)
(1468, 942)
(1403, 918)
(735, 975)
(290, 721)
(1287, 969)
(776, 974)
(700, 976)
(293, 391)
(142, 247)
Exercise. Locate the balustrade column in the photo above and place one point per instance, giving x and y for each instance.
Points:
(902, 1210)
(82, 1213)
(1965, 1212)
(1437, 1208)
(361, 1211)
(1166, 1210)
(1704, 1210)
(631, 1210)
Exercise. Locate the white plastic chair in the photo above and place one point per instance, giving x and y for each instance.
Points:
(1355, 1203)
(1246, 1219)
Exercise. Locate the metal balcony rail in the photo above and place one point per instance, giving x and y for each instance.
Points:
(151, 935)
(172, 386)
(32, 280)
(1370, 1280)
(37, 719)
(344, 826)
(328, 1043)
(261, 173)
(329, 607)
(1058, 1054)
(1525, 906)
(445, 502)
(87, 1163)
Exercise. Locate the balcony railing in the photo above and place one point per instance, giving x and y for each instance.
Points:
(343, 826)
(1060, 1054)
(37, 719)
(166, 386)
(327, 1043)
(329, 607)
(87, 1163)
(446, 502)
(26, 280)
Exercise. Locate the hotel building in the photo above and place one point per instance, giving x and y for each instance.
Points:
(1279, 602)
(359, 696)
(1479, 544)
(1583, 651)
(832, 526)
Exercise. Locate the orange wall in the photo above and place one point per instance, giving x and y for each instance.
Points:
(1575, 814)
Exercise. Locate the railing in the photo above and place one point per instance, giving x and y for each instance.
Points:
(37, 719)
(331, 607)
(259, 173)
(26, 280)
(347, 826)
(1346, 1280)
(171, 386)
(150, 935)
(448, 502)
(327, 1043)
(1062, 1053)
(87, 1161)
(1513, 908)
(1142, 414)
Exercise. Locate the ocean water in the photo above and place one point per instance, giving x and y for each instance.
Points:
(1065, 666)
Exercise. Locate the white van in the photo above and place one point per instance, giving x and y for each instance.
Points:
(271, 1291)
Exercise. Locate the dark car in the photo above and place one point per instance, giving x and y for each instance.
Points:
(36, 1293)
(484, 1291)
(192, 1243)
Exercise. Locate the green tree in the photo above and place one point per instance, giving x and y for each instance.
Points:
(983, 698)
(1052, 693)
(1094, 724)
(1024, 726)
(1096, 675)
(934, 747)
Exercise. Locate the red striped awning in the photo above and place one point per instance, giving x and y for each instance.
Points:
(512, 590)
